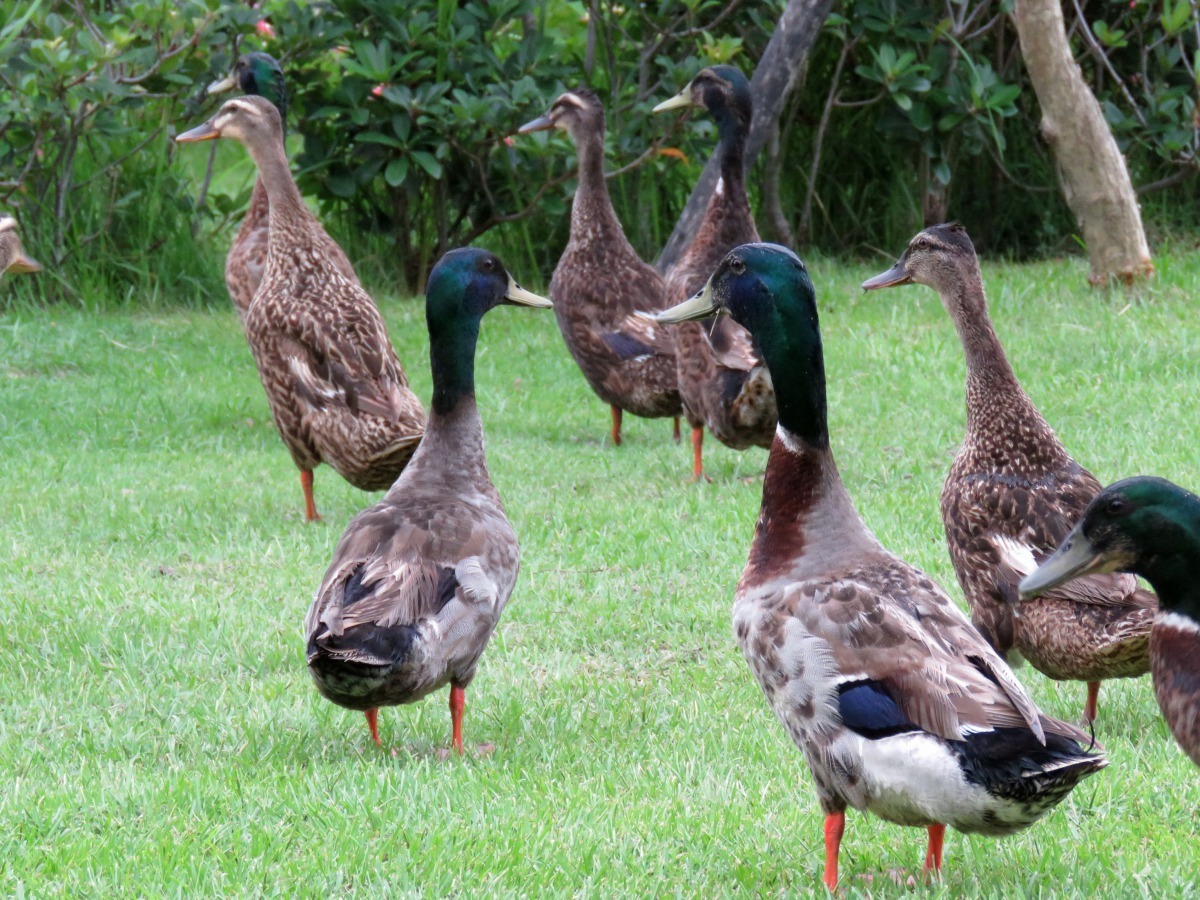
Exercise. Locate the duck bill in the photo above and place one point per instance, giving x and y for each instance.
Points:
(541, 123)
(682, 99)
(204, 132)
(893, 277)
(23, 263)
(700, 306)
(1074, 559)
(518, 296)
(228, 83)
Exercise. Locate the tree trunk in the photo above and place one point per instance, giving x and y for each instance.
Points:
(776, 76)
(1092, 171)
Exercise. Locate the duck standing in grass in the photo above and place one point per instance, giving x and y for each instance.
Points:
(600, 283)
(899, 705)
(418, 581)
(1012, 495)
(259, 75)
(336, 389)
(1148, 527)
(722, 379)
(13, 258)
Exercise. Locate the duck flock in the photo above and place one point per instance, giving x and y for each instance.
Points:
(901, 705)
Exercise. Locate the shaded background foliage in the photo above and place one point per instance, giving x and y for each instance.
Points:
(402, 124)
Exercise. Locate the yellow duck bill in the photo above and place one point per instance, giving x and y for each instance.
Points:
(1074, 559)
(700, 306)
(204, 132)
(518, 296)
(683, 98)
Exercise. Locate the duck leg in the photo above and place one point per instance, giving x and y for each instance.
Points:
(933, 854)
(616, 426)
(1093, 701)
(310, 504)
(675, 429)
(458, 702)
(835, 827)
(697, 452)
(373, 723)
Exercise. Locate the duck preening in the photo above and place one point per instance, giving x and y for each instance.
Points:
(901, 708)
(13, 258)
(600, 283)
(1011, 496)
(259, 75)
(1149, 527)
(337, 392)
(722, 380)
(418, 581)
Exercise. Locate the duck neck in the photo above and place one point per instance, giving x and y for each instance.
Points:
(452, 361)
(592, 210)
(731, 152)
(287, 206)
(1170, 566)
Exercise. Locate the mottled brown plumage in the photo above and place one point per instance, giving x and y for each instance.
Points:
(13, 258)
(258, 74)
(337, 391)
(600, 283)
(723, 382)
(898, 704)
(1013, 493)
(418, 581)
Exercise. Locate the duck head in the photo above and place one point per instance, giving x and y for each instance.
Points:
(250, 120)
(722, 90)
(256, 75)
(12, 255)
(1143, 525)
(576, 112)
(941, 257)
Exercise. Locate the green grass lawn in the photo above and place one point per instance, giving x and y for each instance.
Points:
(159, 732)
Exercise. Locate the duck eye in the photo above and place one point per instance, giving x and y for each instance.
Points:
(489, 264)
(737, 265)
(923, 243)
(1116, 506)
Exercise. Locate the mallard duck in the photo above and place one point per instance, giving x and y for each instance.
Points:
(1011, 495)
(900, 706)
(600, 284)
(1148, 527)
(418, 581)
(259, 75)
(337, 391)
(722, 379)
(12, 256)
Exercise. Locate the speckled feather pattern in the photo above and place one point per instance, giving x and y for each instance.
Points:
(722, 379)
(402, 639)
(1013, 482)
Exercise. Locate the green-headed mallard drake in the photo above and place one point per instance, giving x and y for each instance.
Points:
(259, 75)
(336, 389)
(1012, 495)
(722, 379)
(600, 284)
(13, 257)
(418, 581)
(1148, 527)
(900, 706)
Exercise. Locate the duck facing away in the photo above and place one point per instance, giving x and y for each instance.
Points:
(1148, 527)
(600, 284)
(900, 706)
(418, 581)
(13, 258)
(722, 380)
(1011, 496)
(336, 389)
(259, 75)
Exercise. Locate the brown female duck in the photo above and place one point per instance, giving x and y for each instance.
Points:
(900, 707)
(259, 75)
(600, 283)
(722, 379)
(1012, 495)
(12, 255)
(418, 581)
(337, 391)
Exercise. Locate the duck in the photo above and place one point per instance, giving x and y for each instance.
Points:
(260, 75)
(1145, 526)
(601, 284)
(336, 389)
(723, 382)
(418, 580)
(13, 257)
(1011, 495)
(899, 705)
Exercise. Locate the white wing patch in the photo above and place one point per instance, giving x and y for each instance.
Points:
(1013, 553)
